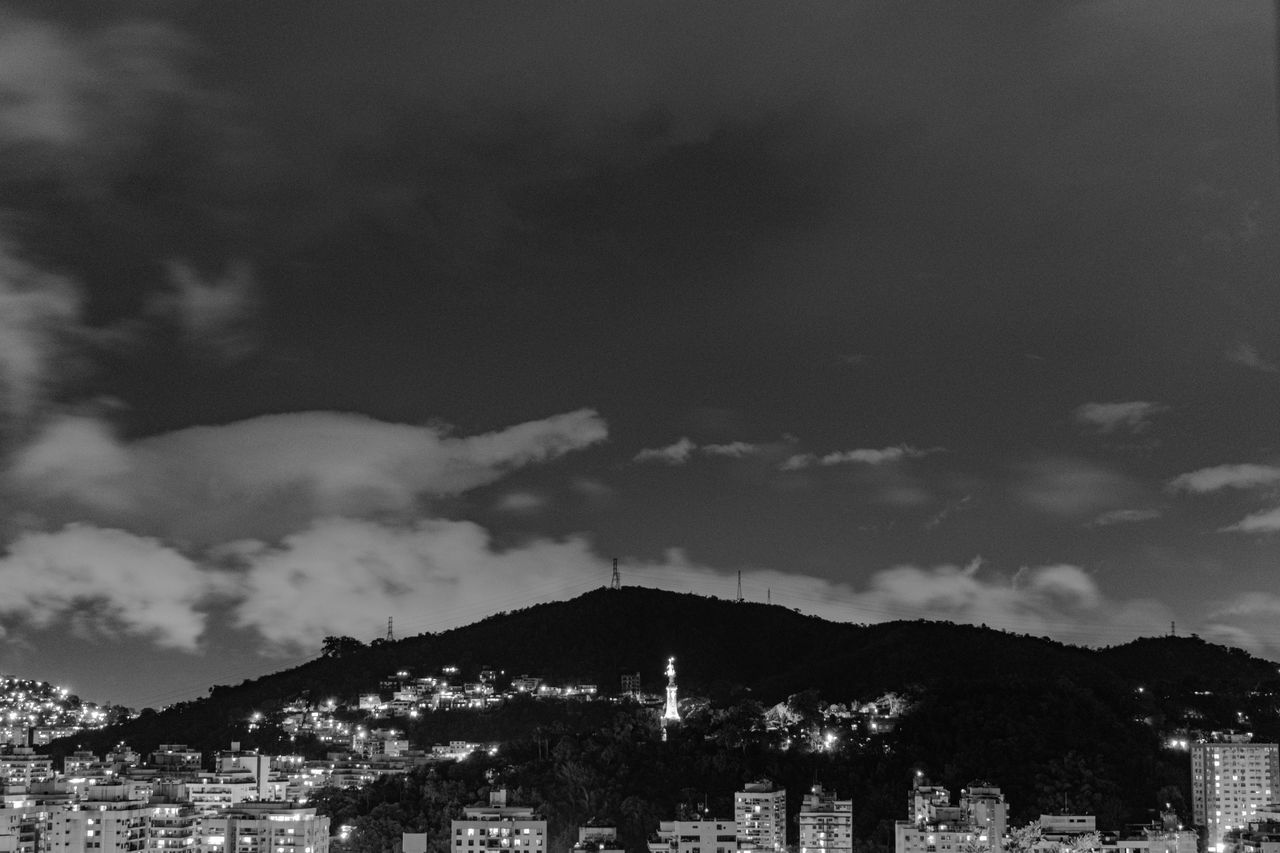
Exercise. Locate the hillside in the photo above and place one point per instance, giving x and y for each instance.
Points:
(723, 649)
(1056, 726)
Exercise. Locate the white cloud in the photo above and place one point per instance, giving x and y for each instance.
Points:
(1246, 620)
(1218, 477)
(1073, 488)
(520, 502)
(342, 576)
(269, 475)
(735, 449)
(1266, 521)
(110, 581)
(676, 453)
(1247, 355)
(70, 89)
(217, 315)
(1132, 417)
(1125, 516)
(437, 574)
(860, 456)
(37, 311)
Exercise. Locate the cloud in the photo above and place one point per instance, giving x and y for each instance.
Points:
(682, 450)
(1218, 477)
(342, 576)
(1073, 488)
(436, 574)
(676, 453)
(1058, 600)
(736, 449)
(217, 316)
(38, 311)
(1266, 521)
(109, 581)
(68, 90)
(520, 502)
(1246, 620)
(1124, 516)
(1106, 418)
(862, 456)
(272, 474)
(1247, 355)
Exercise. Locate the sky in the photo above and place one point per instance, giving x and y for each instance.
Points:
(316, 314)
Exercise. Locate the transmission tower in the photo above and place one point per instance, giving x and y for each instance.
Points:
(390, 634)
(739, 598)
(616, 581)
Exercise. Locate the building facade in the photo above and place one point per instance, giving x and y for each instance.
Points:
(825, 823)
(499, 827)
(695, 836)
(760, 810)
(1230, 783)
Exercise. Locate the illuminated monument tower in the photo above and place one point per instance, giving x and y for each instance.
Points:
(672, 713)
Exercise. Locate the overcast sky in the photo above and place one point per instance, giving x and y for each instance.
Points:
(318, 313)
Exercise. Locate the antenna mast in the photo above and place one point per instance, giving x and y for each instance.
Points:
(616, 582)
(390, 634)
(739, 598)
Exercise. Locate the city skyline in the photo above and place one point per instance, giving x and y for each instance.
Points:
(314, 316)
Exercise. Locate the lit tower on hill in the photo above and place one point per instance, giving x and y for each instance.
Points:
(672, 712)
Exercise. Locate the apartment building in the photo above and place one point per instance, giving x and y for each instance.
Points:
(760, 811)
(826, 823)
(1230, 783)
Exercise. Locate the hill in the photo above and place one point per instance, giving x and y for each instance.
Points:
(723, 649)
(1056, 726)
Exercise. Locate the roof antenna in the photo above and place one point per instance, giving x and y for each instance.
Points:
(616, 581)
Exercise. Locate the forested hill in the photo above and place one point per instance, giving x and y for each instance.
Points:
(724, 650)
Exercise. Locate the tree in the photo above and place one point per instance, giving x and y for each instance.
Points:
(340, 647)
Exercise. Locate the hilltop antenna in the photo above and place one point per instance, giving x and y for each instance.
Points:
(768, 596)
(739, 598)
(616, 581)
(390, 634)
(1173, 629)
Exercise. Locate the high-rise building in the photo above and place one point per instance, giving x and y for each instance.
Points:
(826, 823)
(498, 827)
(760, 810)
(1230, 782)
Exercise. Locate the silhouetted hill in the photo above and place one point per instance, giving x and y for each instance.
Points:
(1187, 661)
(728, 650)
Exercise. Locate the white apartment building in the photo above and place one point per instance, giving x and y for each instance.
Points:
(760, 811)
(265, 828)
(499, 827)
(21, 766)
(97, 826)
(1230, 783)
(695, 836)
(826, 823)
